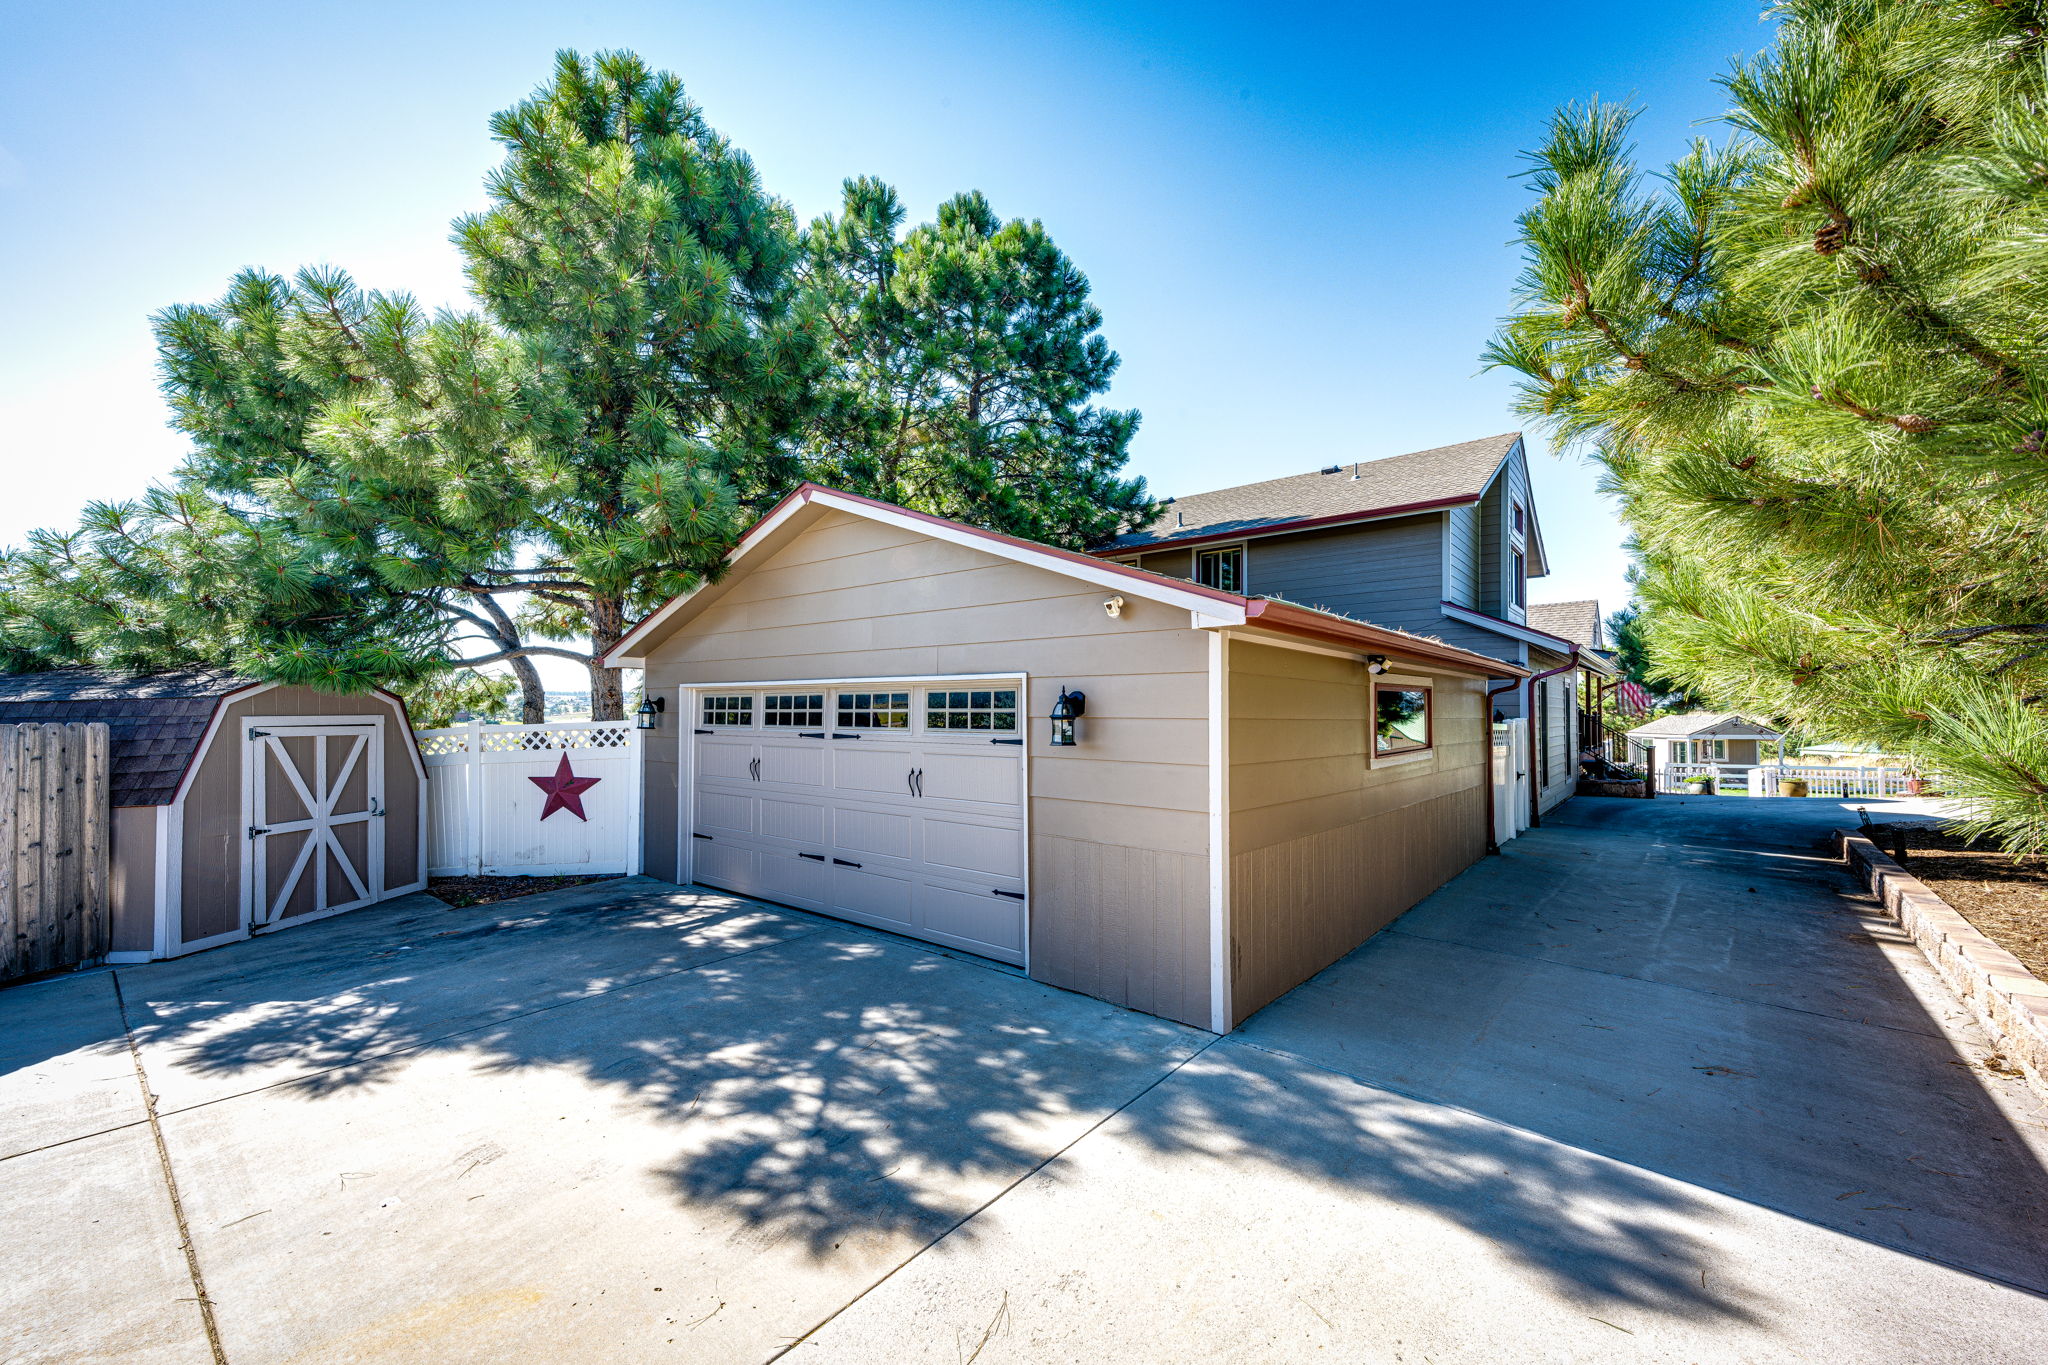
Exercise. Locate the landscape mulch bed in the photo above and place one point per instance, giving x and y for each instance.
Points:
(463, 892)
(2006, 898)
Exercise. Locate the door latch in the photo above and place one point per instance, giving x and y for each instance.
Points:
(376, 806)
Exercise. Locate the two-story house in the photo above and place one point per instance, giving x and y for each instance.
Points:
(1440, 543)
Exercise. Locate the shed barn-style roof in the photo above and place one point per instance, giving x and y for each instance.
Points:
(154, 720)
(1445, 476)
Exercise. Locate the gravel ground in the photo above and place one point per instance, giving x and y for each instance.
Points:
(460, 892)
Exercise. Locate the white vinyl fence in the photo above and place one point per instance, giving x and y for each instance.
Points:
(485, 817)
(1732, 779)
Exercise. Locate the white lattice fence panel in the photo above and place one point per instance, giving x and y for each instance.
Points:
(485, 815)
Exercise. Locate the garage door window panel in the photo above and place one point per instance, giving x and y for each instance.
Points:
(734, 713)
(970, 709)
(793, 710)
(873, 711)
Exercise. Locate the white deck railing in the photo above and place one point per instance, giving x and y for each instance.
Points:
(1763, 780)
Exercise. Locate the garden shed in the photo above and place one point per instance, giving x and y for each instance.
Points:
(1171, 796)
(240, 806)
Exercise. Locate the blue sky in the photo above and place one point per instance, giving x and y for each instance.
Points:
(1296, 217)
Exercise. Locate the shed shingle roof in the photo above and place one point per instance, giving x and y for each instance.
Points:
(1440, 476)
(1578, 622)
(154, 720)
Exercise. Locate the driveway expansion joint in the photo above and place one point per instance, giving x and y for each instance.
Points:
(163, 1157)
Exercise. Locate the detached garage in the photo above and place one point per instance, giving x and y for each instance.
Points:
(241, 807)
(1172, 797)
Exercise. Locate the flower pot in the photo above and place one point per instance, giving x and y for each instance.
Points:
(1791, 786)
(1699, 786)
(1916, 786)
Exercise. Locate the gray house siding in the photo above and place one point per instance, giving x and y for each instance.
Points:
(1461, 556)
(1388, 572)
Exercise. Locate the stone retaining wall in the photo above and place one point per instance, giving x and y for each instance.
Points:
(2010, 1001)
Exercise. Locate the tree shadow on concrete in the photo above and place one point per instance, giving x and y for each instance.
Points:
(818, 1082)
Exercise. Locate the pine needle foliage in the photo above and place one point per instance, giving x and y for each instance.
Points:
(966, 354)
(1812, 358)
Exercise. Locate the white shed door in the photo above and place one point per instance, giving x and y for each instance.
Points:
(892, 819)
(314, 796)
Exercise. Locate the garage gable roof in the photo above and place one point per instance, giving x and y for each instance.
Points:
(1210, 607)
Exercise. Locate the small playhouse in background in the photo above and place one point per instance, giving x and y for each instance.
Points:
(240, 806)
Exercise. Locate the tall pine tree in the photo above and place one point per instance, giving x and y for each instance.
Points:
(967, 353)
(1811, 359)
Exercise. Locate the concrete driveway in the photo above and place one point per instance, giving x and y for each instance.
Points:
(1654, 1085)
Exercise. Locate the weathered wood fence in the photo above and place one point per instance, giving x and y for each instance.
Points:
(54, 878)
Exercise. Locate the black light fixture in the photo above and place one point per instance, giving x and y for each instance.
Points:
(1375, 664)
(648, 717)
(1065, 712)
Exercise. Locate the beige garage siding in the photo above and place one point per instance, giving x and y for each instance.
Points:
(1119, 825)
(1326, 848)
(214, 832)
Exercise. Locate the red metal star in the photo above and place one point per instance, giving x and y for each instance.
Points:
(565, 791)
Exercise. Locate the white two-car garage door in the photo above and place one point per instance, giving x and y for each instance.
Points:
(897, 805)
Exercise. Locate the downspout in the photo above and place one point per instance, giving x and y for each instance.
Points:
(1529, 714)
(1492, 832)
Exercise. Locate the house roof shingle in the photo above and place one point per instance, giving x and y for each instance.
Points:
(1578, 622)
(154, 720)
(1440, 476)
(1701, 722)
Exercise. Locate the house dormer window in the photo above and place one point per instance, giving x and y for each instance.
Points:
(1221, 568)
(1521, 521)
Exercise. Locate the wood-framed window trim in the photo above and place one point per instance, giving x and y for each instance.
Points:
(1385, 756)
(1217, 552)
(1519, 574)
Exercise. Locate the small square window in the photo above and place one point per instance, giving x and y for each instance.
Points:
(1402, 720)
(993, 709)
(793, 710)
(874, 711)
(731, 711)
(1221, 569)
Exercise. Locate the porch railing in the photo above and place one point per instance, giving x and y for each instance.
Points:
(1763, 780)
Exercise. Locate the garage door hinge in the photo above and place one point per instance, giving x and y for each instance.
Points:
(699, 836)
(255, 830)
(1013, 895)
(707, 732)
(255, 733)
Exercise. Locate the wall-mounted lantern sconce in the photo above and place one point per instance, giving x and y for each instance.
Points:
(648, 717)
(1065, 712)
(1114, 606)
(1375, 664)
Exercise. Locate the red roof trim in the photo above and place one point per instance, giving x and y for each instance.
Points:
(810, 490)
(1278, 528)
(1317, 625)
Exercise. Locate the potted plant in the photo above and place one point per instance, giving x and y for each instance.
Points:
(1916, 785)
(1699, 785)
(1791, 786)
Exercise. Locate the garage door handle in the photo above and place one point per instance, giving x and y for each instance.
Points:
(839, 735)
(841, 862)
(814, 857)
(1006, 741)
(810, 734)
(1013, 895)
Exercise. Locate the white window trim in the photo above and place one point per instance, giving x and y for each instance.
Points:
(1244, 565)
